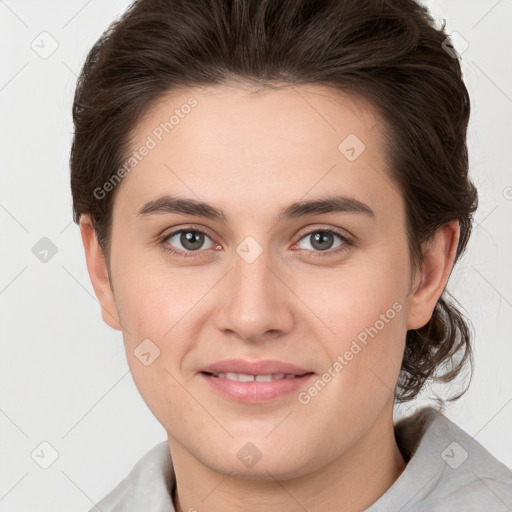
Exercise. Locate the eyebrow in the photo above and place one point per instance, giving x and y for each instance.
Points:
(330, 204)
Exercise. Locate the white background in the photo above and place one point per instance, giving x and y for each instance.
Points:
(64, 376)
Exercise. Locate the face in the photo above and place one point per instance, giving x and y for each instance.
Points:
(257, 274)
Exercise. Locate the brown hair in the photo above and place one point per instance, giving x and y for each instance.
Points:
(389, 53)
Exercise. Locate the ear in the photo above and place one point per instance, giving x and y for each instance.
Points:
(97, 267)
(430, 281)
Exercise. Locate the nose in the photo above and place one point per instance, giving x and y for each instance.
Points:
(255, 303)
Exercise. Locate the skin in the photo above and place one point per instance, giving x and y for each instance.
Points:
(252, 155)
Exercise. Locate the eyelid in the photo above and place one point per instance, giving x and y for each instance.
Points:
(343, 233)
(189, 227)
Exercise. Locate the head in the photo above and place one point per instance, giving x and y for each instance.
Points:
(254, 109)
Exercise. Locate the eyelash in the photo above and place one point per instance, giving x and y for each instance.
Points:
(347, 243)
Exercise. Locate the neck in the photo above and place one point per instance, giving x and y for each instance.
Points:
(357, 478)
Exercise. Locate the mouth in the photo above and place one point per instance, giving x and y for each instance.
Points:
(243, 377)
(255, 389)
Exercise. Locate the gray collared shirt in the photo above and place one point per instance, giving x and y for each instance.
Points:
(447, 471)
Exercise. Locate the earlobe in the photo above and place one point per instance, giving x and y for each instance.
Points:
(430, 282)
(97, 268)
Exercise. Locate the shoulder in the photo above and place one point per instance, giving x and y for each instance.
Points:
(447, 469)
(148, 486)
(469, 478)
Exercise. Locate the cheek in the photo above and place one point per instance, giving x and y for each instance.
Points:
(153, 298)
(157, 306)
(153, 308)
(363, 317)
(353, 297)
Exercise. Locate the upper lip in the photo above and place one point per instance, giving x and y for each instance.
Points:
(262, 367)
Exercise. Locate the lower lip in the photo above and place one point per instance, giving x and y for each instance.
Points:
(256, 392)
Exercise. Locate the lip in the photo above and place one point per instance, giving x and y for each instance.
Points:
(255, 392)
(262, 367)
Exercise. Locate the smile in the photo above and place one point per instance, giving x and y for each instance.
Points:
(243, 377)
(255, 389)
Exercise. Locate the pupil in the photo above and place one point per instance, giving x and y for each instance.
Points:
(191, 240)
(322, 241)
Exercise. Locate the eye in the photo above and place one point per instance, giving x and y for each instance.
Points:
(190, 242)
(186, 240)
(322, 240)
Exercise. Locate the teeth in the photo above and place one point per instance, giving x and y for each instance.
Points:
(268, 378)
(242, 377)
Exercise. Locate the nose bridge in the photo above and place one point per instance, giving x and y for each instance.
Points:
(256, 301)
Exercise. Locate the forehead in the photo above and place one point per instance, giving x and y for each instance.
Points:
(248, 147)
